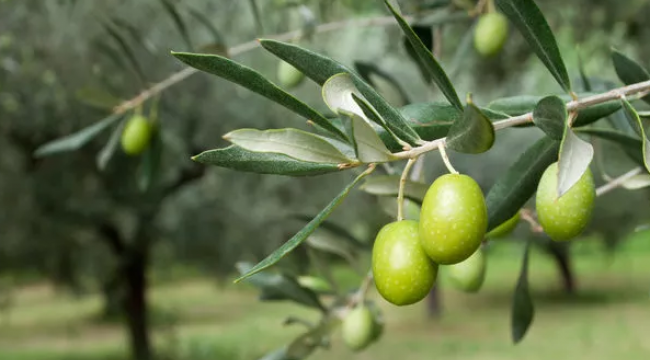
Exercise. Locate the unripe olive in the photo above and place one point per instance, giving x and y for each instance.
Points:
(505, 228)
(403, 273)
(136, 135)
(490, 34)
(453, 219)
(564, 218)
(358, 328)
(288, 75)
(314, 283)
(468, 275)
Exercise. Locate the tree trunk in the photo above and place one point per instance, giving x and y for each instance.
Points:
(135, 305)
(560, 253)
(434, 305)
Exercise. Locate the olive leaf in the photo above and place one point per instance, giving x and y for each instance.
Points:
(237, 158)
(550, 116)
(298, 144)
(107, 152)
(523, 310)
(635, 121)
(473, 133)
(388, 185)
(630, 145)
(303, 234)
(574, 159)
(385, 83)
(637, 182)
(368, 145)
(629, 71)
(531, 23)
(337, 93)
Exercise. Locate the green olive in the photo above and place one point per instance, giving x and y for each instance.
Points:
(490, 34)
(288, 75)
(136, 135)
(358, 328)
(505, 228)
(453, 220)
(403, 273)
(468, 275)
(314, 283)
(564, 218)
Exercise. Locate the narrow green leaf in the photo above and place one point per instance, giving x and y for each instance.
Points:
(236, 158)
(387, 86)
(629, 71)
(298, 144)
(178, 21)
(388, 185)
(281, 287)
(370, 114)
(635, 121)
(425, 34)
(519, 183)
(574, 159)
(98, 98)
(75, 141)
(106, 153)
(369, 147)
(126, 50)
(335, 229)
(256, 82)
(461, 55)
(586, 83)
(523, 310)
(550, 116)
(530, 21)
(305, 232)
(473, 133)
(428, 60)
(629, 144)
(320, 68)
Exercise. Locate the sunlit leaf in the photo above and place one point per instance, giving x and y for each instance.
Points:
(531, 23)
(256, 82)
(303, 234)
(76, 140)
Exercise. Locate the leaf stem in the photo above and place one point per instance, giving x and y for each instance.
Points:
(445, 159)
(402, 185)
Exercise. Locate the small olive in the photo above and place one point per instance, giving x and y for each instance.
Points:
(358, 328)
(468, 275)
(136, 135)
(490, 34)
(288, 75)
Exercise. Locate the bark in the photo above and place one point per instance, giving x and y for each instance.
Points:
(135, 305)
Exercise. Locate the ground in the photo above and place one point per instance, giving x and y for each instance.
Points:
(197, 319)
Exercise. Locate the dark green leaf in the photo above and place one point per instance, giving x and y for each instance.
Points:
(472, 133)
(281, 287)
(586, 83)
(550, 116)
(304, 233)
(106, 153)
(236, 158)
(298, 144)
(533, 26)
(635, 121)
(178, 21)
(383, 82)
(523, 310)
(428, 60)
(150, 165)
(574, 159)
(519, 183)
(629, 144)
(75, 141)
(425, 34)
(256, 82)
(320, 68)
(629, 71)
(388, 185)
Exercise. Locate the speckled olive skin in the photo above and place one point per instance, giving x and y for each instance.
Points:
(505, 228)
(468, 275)
(453, 219)
(564, 218)
(288, 75)
(358, 328)
(490, 34)
(403, 273)
(136, 135)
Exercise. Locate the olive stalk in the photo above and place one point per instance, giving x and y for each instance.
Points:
(445, 158)
(402, 185)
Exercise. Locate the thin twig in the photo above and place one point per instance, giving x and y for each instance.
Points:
(617, 182)
(529, 216)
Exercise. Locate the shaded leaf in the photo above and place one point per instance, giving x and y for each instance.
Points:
(530, 21)
(637, 182)
(635, 122)
(388, 185)
(257, 16)
(370, 114)
(208, 24)
(98, 98)
(106, 153)
(327, 242)
(126, 50)
(574, 159)
(335, 229)
(586, 83)
(150, 163)
(305, 232)
(428, 60)
(523, 311)
(305, 344)
(298, 144)
(425, 34)
(630, 145)
(629, 71)
(550, 116)
(389, 88)
(76, 140)
(254, 81)
(519, 183)
(369, 147)
(320, 68)
(236, 158)
(178, 22)
(472, 133)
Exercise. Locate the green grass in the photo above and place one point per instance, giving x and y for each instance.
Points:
(607, 319)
